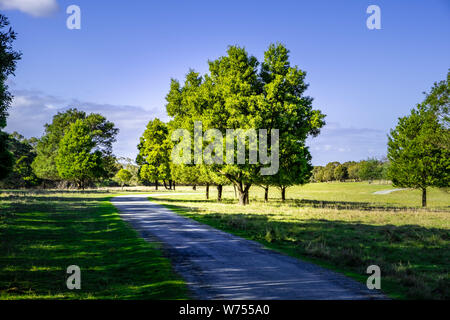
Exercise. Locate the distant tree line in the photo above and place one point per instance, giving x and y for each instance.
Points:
(364, 170)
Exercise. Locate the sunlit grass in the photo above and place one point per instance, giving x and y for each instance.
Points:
(344, 226)
(42, 233)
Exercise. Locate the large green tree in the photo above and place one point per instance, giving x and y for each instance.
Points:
(103, 134)
(418, 148)
(238, 94)
(154, 153)
(8, 59)
(79, 159)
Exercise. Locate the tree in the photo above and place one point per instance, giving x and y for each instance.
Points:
(8, 59)
(23, 153)
(286, 108)
(418, 151)
(154, 153)
(103, 135)
(328, 173)
(341, 173)
(78, 160)
(353, 170)
(124, 177)
(370, 170)
(236, 94)
(317, 174)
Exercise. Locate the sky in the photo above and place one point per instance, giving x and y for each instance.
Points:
(122, 59)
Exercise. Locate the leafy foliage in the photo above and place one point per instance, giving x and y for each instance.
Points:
(418, 147)
(77, 159)
(8, 60)
(102, 132)
(239, 94)
(154, 152)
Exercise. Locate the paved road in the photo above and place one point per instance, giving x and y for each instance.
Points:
(218, 265)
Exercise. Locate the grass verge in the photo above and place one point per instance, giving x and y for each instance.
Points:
(412, 248)
(44, 233)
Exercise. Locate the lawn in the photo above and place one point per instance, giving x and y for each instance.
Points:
(43, 233)
(345, 227)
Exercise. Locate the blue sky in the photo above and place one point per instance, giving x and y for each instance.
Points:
(121, 61)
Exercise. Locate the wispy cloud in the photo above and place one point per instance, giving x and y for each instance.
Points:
(31, 110)
(36, 8)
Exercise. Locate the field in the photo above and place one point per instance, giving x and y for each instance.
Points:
(43, 233)
(345, 227)
(342, 226)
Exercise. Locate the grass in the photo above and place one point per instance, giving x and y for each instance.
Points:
(345, 227)
(42, 233)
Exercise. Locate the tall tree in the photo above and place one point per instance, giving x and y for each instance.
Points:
(78, 159)
(418, 148)
(288, 109)
(236, 94)
(103, 134)
(8, 59)
(154, 153)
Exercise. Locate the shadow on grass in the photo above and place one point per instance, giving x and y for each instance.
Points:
(44, 237)
(414, 258)
(322, 204)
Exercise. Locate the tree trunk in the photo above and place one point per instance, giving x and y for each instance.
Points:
(194, 187)
(424, 197)
(156, 185)
(207, 191)
(240, 192)
(170, 184)
(235, 195)
(173, 184)
(165, 185)
(243, 193)
(219, 192)
(266, 194)
(283, 193)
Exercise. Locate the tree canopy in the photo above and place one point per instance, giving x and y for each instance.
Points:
(102, 132)
(8, 60)
(418, 146)
(78, 160)
(240, 93)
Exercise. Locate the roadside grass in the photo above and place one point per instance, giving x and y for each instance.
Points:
(411, 245)
(44, 232)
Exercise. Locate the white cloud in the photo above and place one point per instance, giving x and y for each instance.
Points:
(32, 109)
(36, 8)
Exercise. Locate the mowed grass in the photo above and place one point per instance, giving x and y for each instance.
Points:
(44, 233)
(345, 227)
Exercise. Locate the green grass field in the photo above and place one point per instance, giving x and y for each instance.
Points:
(43, 233)
(345, 227)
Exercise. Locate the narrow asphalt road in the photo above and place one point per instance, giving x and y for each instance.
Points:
(218, 265)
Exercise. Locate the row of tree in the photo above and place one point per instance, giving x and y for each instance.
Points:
(365, 170)
(76, 149)
(238, 92)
